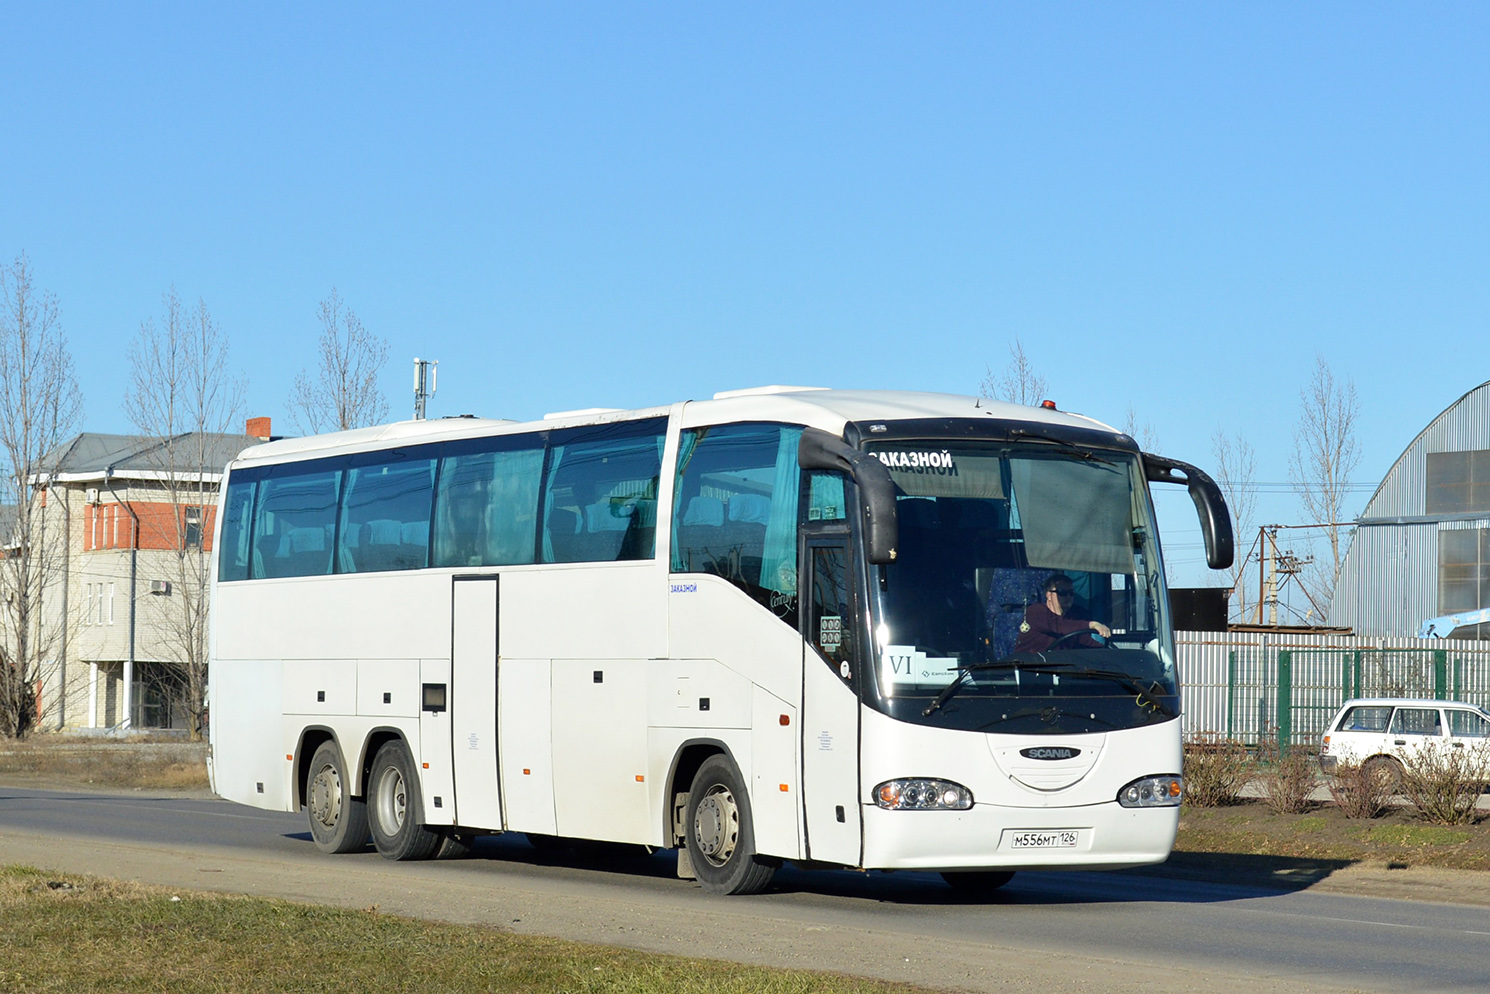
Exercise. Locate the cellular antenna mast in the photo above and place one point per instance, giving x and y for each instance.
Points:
(424, 384)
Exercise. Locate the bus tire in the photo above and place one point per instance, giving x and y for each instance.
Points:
(719, 835)
(977, 883)
(338, 821)
(395, 811)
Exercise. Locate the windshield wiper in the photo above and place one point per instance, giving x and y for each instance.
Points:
(1145, 697)
(1062, 444)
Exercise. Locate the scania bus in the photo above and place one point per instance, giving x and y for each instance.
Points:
(781, 624)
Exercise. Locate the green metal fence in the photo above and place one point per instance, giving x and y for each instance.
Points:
(1269, 689)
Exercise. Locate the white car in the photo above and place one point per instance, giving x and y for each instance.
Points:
(1381, 732)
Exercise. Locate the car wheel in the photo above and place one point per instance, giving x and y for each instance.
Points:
(1385, 770)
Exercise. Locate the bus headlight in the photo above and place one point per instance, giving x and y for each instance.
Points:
(1152, 792)
(923, 795)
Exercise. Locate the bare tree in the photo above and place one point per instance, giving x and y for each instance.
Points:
(344, 391)
(183, 396)
(1018, 384)
(1325, 454)
(1141, 432)
(1236, 473)
(39, 408)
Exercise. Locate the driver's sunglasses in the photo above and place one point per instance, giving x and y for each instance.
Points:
(1065, 591)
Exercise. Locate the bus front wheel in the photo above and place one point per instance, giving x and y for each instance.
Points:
(720, 838)
(394, 808)
(338, 821)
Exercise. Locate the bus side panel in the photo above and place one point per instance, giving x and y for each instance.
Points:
(600, 749)
(613, 611)
(709, 617)
(438, 771)
(774, 781)
(526, 733)
(245, 753)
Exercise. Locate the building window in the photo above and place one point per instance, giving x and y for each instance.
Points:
(1464, 575)
(111, 603)
(1458, 482)
(193, 527)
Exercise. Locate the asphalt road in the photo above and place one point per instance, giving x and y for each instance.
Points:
(1096, 932)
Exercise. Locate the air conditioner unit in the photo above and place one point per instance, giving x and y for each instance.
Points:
(91, 496)
(161, 587)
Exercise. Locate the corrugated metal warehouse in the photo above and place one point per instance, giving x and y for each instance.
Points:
(1422, 545)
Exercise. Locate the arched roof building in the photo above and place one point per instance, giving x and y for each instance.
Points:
(1422, 544)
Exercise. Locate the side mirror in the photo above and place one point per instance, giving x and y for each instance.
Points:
(820, 450)
(1210, 506)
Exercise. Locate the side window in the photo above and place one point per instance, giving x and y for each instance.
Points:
(385, 512)
(828, 627)
(1416, 721)
(735, 510)
(600, 502)
(1365, 719)
(1468, 724)
(486, 511)
(825, 501)
(295, 520)
(233, 560)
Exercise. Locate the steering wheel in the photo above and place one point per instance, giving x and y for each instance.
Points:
(1071, 635)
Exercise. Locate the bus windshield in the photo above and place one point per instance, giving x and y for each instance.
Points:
(1014, 560)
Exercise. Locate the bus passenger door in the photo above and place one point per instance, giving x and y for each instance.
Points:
(830, 707)
(473, 701)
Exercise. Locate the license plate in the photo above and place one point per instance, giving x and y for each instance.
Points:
(1061, 839)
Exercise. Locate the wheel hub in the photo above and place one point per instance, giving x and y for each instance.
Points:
(716, 826)
(393, 801)
(325, 797)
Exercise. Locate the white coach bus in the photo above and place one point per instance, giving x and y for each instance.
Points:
(782, 624)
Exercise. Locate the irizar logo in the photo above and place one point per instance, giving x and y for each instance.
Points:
(1050, 752)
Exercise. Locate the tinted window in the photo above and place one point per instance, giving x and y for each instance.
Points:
(735, 509)
(486, 512)
(1417, 721)
(237, 520)
(295, 523)
(385, 512)
(600, 504)
(1365, 719)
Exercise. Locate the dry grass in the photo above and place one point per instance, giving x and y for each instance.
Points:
(1399, 837)
(112, 763)
(70, 933)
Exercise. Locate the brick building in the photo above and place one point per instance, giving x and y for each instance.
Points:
(131, 507)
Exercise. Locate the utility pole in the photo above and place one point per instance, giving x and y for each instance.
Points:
(424, 384)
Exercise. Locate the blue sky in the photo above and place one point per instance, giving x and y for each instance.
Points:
(1173, 206)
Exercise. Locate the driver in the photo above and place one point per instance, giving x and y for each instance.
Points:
(1045, 624)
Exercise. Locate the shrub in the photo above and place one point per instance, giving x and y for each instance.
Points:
(1360, 791)
(1287, 777)
(1444, 783)
(1216, 770)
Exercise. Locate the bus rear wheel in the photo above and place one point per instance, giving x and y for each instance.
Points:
(719, 835)
(395, 811)
(338, 821)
